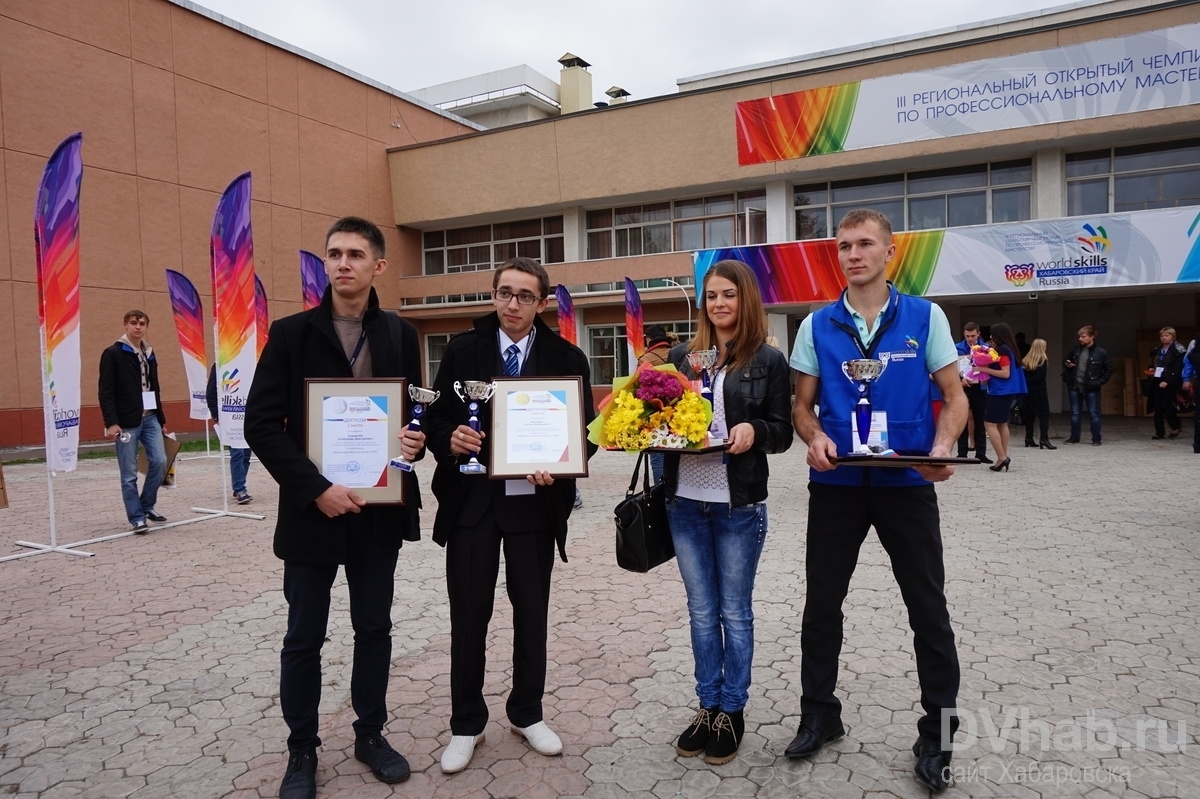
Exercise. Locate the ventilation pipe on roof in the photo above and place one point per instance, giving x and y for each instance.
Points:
(575, 84)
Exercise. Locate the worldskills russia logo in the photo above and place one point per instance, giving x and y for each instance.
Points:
(1091, 261)
(1096, 241)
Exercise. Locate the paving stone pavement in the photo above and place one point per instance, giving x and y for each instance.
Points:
(151, 669)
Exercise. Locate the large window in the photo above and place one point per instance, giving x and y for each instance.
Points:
(435, 348)
(1163, 175)
(938, 198)
(482, 247)
(723, 220)
(608, 350)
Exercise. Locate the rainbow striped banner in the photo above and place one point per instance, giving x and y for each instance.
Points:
(635, 335)
(566, 315)
(56, 241)
(313, 279)
(189, 326)
(1142, 71)
(235, 328)
(1137, 248)
(262, 319)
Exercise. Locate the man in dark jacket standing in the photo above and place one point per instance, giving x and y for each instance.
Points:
(323, 525)
(132, 409)
(477, 516)
(1086, 368)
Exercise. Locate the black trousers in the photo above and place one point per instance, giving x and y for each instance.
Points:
(976, 400)
(1163, 400)
(907, 522)
(370, 578)
(472, 566)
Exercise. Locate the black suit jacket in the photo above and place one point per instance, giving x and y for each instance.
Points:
(464, 499)
(305, 345)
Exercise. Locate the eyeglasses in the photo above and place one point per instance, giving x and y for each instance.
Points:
(504, 296)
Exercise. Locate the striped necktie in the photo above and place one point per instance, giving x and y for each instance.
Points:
(511, 366)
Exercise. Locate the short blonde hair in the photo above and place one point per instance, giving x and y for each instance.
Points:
(1170, 331)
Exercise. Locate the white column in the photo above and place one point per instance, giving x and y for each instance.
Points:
(781, 218)
(574, 234)
(1049, 185)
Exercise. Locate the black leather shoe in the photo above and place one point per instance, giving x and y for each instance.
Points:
(1071, 441)
(983, 458)
(385, 763)
(933, 765)
(300, 779)
(815, 731)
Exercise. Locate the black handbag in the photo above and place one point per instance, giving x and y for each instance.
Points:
(1017, 412)
(643, 534)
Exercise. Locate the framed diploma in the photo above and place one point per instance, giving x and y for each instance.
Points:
(538, 426)
(352, 432)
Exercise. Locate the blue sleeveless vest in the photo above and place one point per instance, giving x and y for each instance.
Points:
(1015, 382)
(902, 390)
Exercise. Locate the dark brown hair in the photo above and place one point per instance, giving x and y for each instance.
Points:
(750, 332)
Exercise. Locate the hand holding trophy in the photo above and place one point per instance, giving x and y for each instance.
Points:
(420, 398)
(473, 392)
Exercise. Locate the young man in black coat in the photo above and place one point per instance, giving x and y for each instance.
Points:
(132, 407)
(323, 525)
(477, 516)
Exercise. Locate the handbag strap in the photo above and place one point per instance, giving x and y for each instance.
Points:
(637, 469)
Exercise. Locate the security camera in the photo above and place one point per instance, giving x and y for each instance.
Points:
(1033, 295)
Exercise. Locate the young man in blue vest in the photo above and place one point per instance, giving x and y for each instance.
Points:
(872, 320)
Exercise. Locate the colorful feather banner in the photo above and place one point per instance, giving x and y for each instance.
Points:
(234, 323)
(189, 326)
(634, 331)
(566, 315)
(56, 242)
(262, 319)
(313, 278)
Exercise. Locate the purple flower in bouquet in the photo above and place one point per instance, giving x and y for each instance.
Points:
(656, 385)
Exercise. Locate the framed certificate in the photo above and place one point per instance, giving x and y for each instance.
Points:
(538, 426)
(352, 432)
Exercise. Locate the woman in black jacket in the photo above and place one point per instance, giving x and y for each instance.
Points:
(1166, 376)
(715, 502)
(1037, 400)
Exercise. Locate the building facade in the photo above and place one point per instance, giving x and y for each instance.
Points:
(174, 102)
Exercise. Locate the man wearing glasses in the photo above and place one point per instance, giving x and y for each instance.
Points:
(477, 516)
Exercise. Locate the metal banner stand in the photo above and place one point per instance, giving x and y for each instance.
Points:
(224, 511)
(69, 549)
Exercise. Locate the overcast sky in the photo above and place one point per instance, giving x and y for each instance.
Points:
(641, 45)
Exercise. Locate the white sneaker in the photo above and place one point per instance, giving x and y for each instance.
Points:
(541, 738)
(458, 754)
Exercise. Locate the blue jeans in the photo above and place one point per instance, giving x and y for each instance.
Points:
(717, 547)
(1093, 409)
(149, 432)
(239, 465)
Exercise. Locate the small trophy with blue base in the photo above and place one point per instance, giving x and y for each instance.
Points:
(420, 398)
(864, 372)
(474, 392)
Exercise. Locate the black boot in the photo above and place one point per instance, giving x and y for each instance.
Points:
(1045, 444)
(1029, 442)
(933, 765)
(300, 779)
(727, 732)
(696, 736)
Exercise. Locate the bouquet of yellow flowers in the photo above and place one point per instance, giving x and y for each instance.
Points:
(656, 406)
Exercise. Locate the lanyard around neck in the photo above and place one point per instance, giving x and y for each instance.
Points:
(358, 347)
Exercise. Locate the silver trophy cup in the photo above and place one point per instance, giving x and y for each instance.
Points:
(474, 392)
(864, 372)
(420, 398)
